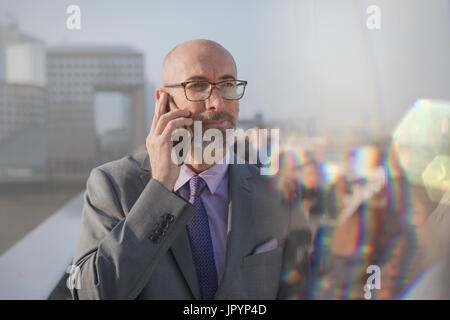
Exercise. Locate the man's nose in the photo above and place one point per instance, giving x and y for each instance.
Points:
(215, 100)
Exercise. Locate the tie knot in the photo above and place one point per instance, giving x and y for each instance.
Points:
(196, 184)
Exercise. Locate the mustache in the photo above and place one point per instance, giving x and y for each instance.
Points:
(215, 116)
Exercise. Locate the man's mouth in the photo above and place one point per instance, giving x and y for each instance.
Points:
(218, 120)
(215, 123)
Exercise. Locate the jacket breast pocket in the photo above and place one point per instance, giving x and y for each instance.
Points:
(262, 274)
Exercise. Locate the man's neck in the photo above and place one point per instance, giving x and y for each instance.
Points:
(198, 168)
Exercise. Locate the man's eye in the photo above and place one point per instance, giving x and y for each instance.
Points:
(199, 86)
(228, 84)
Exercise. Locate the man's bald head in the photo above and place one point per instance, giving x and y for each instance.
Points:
(203, 54)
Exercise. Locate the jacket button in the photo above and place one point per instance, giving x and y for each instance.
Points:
(169, 218)
(159, 232)
(155, 239)
(165, 225)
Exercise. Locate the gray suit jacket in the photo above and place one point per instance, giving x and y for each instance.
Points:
(124, 253)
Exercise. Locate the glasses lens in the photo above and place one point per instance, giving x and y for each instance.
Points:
(200, 90)
(197, 90)
(232, 89)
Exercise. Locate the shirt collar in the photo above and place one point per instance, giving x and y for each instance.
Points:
(212, 176)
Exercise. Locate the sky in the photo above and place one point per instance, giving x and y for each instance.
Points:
(303, 59)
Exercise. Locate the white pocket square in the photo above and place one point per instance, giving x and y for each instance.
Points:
(266, 246)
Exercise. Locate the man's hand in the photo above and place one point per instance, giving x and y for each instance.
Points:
(159, 143)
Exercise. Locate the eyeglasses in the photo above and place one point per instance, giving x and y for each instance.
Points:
(201, 90)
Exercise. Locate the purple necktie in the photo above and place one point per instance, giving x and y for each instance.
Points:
(201, 244)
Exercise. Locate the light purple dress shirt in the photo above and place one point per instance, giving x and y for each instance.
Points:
(215, 198)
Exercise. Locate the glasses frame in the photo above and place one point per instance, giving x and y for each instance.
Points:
(212, 84)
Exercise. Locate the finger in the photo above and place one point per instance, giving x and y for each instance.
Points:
(159, 111)
(154, 120)
(162, 102)
(174, 124)
(165, 118)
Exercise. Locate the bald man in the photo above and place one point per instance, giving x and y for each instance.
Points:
(154, 229)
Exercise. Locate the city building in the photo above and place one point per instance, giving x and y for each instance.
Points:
(22, 57)
(75, 75)
(48, 96)
(23, 101)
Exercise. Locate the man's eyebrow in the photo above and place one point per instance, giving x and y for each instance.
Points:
(227, 76)
(202, 78)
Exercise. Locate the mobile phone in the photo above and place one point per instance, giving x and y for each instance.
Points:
(171, 105)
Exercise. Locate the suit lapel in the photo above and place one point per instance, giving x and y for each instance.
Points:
(241, 191)
(181, 250)
(242, 220)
